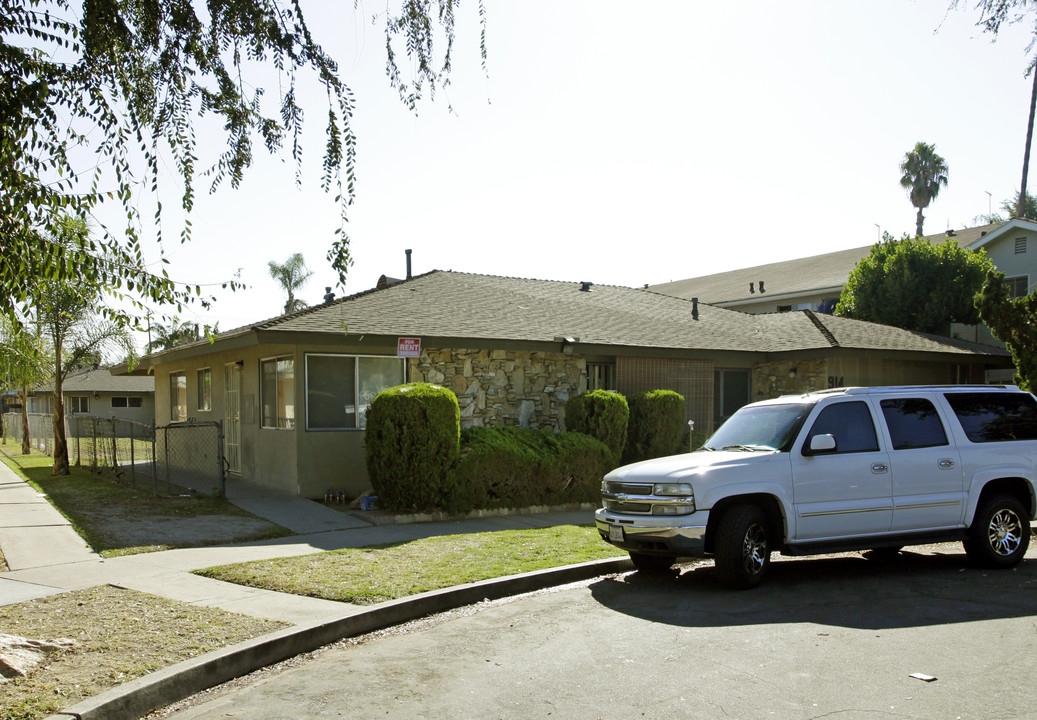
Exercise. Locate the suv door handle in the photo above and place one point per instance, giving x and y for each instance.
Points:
(945, 463)
(879, 468)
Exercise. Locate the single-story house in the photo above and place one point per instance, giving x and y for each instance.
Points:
(96, 392)
(292, 391)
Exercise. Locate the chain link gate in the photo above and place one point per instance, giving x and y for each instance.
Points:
(189, 456)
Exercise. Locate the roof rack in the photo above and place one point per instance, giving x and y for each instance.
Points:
(916, 388)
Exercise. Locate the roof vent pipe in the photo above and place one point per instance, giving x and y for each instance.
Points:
(328, 295)
(408, 264)
(585, 286)
(695, 308)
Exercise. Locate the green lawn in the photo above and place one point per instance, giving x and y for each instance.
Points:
(385, 572)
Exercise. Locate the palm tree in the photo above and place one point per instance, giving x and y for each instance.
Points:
(292, 275)
(176, 333)
(923, 173)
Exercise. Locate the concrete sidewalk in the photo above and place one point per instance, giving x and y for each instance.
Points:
(46, 556)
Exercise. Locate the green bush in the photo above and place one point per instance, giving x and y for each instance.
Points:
(602, 414)
(517, 467)
(656, 425)
(412, 445)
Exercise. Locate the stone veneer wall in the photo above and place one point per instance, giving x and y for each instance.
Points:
(505, 387)
(771, 380)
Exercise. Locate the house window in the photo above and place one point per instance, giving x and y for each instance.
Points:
(1020, 245)
(339, 388)
(178, 396)
(278, 392)
(77, 404)
(127, 402)
(601, 376)
(1018, 285)
(205, 389)
(730, 392)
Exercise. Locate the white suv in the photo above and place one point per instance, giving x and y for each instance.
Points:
(847, 469)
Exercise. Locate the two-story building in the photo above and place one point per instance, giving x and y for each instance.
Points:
(815, 282)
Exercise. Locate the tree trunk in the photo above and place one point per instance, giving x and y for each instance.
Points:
(26, 445)
(918, 223)
(1020, 209)
(60, 441)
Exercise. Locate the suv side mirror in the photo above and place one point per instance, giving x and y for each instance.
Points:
(821, 444)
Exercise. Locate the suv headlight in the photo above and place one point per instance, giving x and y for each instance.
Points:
(672, 490)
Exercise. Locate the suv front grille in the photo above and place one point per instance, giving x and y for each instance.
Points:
(630, 488)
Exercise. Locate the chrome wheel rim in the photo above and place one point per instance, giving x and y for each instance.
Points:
(754, 550)
(1004, 532)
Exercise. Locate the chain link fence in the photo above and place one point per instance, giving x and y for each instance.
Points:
(177, 459)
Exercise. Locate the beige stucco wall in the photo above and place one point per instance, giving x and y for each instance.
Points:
(268, 456)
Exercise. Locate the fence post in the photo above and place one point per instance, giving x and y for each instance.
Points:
(154, 464)
(133, 466)
(93, 443)
(165, 446)
(219, 460)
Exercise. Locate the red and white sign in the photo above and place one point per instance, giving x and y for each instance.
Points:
(408, 347)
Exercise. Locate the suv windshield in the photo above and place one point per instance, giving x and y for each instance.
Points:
(766, 427)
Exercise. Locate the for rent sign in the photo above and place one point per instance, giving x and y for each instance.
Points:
(408, 347)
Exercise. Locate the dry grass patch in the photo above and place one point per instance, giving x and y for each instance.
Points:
(120, 635)
(386, 572)
(117, 519)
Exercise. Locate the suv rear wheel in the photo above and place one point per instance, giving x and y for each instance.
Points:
(999, 535)
(742, 554)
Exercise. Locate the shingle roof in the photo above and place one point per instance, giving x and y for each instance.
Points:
(102, 380)
(492, 308)
(793, 277)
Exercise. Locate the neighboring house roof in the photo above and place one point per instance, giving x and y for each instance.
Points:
(817, 274)
(1002, 230)
(485, 308)
(101, 380)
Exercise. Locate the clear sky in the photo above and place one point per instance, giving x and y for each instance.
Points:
(631, 143)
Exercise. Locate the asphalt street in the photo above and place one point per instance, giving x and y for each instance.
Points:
(922, 636)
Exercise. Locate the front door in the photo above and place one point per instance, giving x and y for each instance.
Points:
(232, 416)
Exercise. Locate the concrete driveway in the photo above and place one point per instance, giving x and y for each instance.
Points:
(831, 637)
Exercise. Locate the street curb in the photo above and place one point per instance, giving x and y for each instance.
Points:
(133, 699)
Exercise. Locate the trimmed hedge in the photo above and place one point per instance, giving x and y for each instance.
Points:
(517, 467)
(656, 425)
(412, 445)
(602, 414)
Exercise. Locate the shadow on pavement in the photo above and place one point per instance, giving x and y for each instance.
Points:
(910, 590)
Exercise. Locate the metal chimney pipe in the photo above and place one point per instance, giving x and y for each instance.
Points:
(408, 264)
(694, 308)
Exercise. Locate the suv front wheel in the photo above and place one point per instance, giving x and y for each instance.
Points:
(999, 535)
(742, 553)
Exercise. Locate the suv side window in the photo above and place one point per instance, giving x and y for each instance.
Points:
(913, 423)
(995, 417)
(850, 423)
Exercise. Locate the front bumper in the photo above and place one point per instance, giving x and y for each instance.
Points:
(679, 536)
